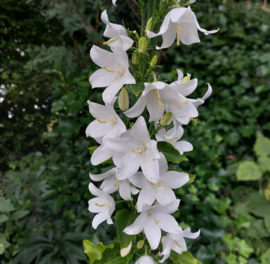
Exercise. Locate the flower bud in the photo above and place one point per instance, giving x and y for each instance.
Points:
(126, 250)
(149, 24)
(140, 244)
(134, 57)
(154, 61)
(123, 100)
(186, 79)
(166, 119)
(142, 44)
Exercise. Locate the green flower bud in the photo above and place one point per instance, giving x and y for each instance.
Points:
(154, 61)
(149, 24)
(185, 79)
(166, 119)
(140, 244)
(126, 250)
(134, 57)
(123, 100)
(142, 44)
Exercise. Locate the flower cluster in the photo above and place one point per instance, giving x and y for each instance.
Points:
(141, 171)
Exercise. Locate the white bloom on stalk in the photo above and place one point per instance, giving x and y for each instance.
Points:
(107, 123)
(152, 220)
(135, 149)
(114, 2)
(181, 24)
(176, 242)
(103, 204)
(111, 184)
(145, 260)
(159, 96)
(182, 146)
(114, 73)
(161, 191)
(117, 34)
(101, 154)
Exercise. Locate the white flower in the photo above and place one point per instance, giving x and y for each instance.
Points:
(117, 34)
(111, 184)
(103, 204)
(159, 96)
(154, 218)
(114, 73)
(182, 146)
(176, 242)
(135, 149)
(114, 2)
(125, 251)
(181, 24)
(161, 191)
(145, 260)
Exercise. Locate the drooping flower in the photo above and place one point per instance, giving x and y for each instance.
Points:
(135, 149)
(103, 204)
(161, 191)
(176, 242)
(181, 24)
(182, 146)
(114, 2)
(111, 184)
(145, 260)
(117, 34)
(114, 73)
(154, 218)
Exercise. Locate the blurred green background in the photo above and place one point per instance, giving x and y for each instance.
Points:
(44, 160)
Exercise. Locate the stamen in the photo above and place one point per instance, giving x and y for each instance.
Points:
(194, 120)
(100, 205)
(119, 72)
(181, 246)
(183, 99)
(141, 150)
(172, 139)
(179, 31)
(112, 40)
(102, 121)
(116, 184)
(156, 92)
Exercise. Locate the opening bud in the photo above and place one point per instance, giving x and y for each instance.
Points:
(142, 44)
(186, 79)
(154, 61)
(164, 121)
(134, 58)
(126, 250)
(149, 24)
(123, 100)
(140, 244)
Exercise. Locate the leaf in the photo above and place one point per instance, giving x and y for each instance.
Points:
(266, 257)
(112, 256)
(262, 145)
(92, 149)
(94, 252)
(57, 106)
(136, 89)
(267, 223)
(3, 218)
(3, 243)
(264, 163)
(191, 178)
(231, 259)
(184, 258)
(244, 249)
(19, 214)
(170, 153)
(123, 219)
(5, 205)
(248, 171)
(257, 204)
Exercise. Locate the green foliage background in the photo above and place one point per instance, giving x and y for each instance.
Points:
(44, 160)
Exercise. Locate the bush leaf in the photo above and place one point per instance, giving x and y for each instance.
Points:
(248, 171)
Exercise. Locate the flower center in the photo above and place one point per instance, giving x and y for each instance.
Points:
(179, 31)
(151, 212)
(107, 205)
(118, 72)
(113, 120)
(156, 92)
(140, 150)
(183, 99)
(181, 246)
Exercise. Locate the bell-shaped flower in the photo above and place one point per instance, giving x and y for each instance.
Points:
(161, 191)
(159, 96)
(114, 2)
(176, 242)
(111, 184)
(135, 149)
(107, 123)
(145, 260)
(152, 220)
(182, 146)
(181, 24)
(117, 34)
(103, 204)
(114, 73)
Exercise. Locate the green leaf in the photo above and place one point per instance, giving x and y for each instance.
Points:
(242, 260)
(5, 205)
(123, 219)
(3, 218)
(267, 223)
(266, 257)
(264, 163)
(92, 149)
(244, 249)
(19, 214)
(3, 243)
(112, 256)
(184, 258)
(258, 205)
(231, 259)
(170, 153)
(248, 171)
(262, 145)
(136, 89)
(94, 252)
(191, 178)
(57, 106)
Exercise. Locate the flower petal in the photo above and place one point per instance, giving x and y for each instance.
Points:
(102, 176)
(147, 195)
(137, 109)
(167, 222)
(137, 226)
(102, 78)
(152, 232)
(99, 218)
(175, 179)
(150, 169)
